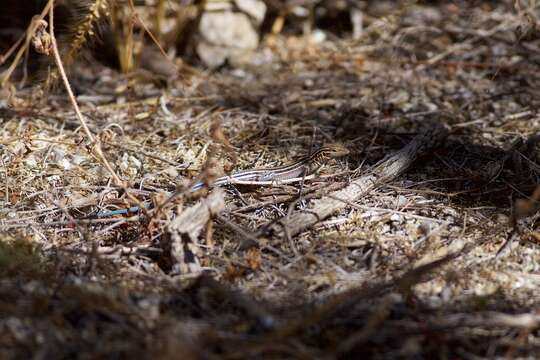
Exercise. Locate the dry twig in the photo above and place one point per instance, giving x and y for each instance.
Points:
(387, 170)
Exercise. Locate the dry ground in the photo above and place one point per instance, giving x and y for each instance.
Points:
(420, 267)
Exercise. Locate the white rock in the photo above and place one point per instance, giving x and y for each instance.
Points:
(226, 36)
(254, 8)
(65, 164)
(229, 30)
(317, 36)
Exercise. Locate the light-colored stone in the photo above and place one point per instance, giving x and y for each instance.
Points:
(228, 30)
(226, 36)
(254, 8)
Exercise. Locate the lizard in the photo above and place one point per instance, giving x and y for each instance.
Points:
(296, 171)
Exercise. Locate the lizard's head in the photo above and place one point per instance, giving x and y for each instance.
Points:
(334, 151)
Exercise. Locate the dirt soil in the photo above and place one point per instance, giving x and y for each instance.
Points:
(441, 262)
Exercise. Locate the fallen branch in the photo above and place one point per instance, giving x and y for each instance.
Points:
(185, 229)
(388, 169)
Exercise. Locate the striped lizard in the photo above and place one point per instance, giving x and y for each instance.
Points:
(296, 171)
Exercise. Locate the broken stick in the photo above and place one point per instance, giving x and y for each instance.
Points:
(388, 169)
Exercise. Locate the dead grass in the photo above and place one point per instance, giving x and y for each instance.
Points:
(416, 268)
